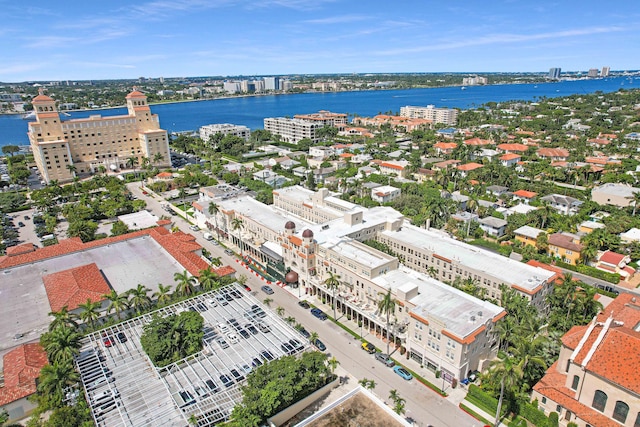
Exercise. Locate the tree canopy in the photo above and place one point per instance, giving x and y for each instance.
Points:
(169, 339)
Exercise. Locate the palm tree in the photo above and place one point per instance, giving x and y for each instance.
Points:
(157, 158)
(333, 284)
(163, 294)
(132, 162)
(62, 318)
(55, 378)
(267, 301)
(510, 374)
(313, 337)
(280, 311)
(333, 364)
(213, 211)
(635, 199)
(72, 169)
(393, 395)
(184, 283)
(367, 383)
(182, 194)
(140, 298)
(387, 305)
(117, 303)
(237, 224)
(90, 311)
(290, 320)
(217, 261)
(61, 344)
(208, 280)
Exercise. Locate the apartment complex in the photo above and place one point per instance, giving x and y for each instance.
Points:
(306, 235)
(324, 118)
(292, 130)
(554, 73)
(594, 382)
(448, 116)
(62, 149)
(474, 80)
(208, 131)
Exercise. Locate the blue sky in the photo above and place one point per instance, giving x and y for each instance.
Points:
(57, 40)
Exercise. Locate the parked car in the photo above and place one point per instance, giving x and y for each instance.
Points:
(304, 305)
(370, 348)
(267, 290)
(318, 313)
(121, 337)
(107, 341)
(319, 345)
(228, 252)
(384, 358)
(304, 333)
(403, 372)
(194, 227)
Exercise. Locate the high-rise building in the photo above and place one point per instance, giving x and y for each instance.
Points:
(593, 72)
(475, 80)
(447, 116)
(554, 73)
(271, 83)
(64, 149)
(231, 87)
(292, 130)
(605, 71)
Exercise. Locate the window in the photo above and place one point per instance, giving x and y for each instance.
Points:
(544, 399)
(637, 424)
(621, 411)
(599, 400)
(576, 380)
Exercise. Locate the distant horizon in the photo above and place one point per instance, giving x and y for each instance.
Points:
(616, 73)
(44, 41)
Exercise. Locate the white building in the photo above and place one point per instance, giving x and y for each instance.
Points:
(385, 193)
(448, 116)
(292, 130)
(271, 83)
(208, 131)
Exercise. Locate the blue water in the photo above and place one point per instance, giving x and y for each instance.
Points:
(250, 111)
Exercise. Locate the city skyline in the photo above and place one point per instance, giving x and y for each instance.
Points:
(229, 38)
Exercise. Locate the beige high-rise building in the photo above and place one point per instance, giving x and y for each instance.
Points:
(64, 149)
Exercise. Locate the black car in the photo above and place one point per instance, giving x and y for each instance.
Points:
(256, 362)
(244, 333)
(304, 305)
(226, 380)
(121, 337)
(266, 355)
(297, 345)
(237, 375)
(320, 345)
(304, 333)
(201, 307)
(251, 328)
(287, 348)
(212, 386)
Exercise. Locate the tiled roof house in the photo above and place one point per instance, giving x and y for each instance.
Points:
(21, 368)
(595, 380)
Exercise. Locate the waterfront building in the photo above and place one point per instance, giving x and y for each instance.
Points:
(605, 71)
(594, 382)
(208, 131)
(554, 73)
(232, 87)
(65, 149)
(399, 123)
(324, 118)
(271, 83)
(592, 73)
(474, 80)
(448, 116)
(292, 130)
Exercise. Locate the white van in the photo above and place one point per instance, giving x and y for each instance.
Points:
(208, 236)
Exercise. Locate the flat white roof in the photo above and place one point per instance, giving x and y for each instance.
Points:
(267, 216)
(505, 269)
(460, 313)
(528, 231)
(139, 220)
(359, 252)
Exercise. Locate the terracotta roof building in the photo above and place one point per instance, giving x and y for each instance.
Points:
(553, 153)
(21, 368)
(75, 286)
(595, 380)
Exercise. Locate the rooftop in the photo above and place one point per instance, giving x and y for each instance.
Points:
(21, 369)
(506, 270)
(72, 287)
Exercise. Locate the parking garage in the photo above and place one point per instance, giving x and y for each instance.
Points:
(124, 388)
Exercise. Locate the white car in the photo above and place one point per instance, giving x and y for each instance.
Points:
(194, 227)
(223, 328)
(212, 302)
(233, 338)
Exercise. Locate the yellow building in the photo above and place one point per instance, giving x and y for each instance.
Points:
(527, 235)
(64, 149)
(566, 247)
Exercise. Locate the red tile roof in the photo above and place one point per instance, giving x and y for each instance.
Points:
(612, 258)
(136, 94)
(525, 194)
(469, 167)
(75, 286)
(445, 145)
(21, 249)
(518, 148)
(564, 241)
(478, 142)
(510, 156)
(21, 367)
(553, 152)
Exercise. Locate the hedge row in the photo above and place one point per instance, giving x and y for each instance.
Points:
(591, 271)
(483, 400)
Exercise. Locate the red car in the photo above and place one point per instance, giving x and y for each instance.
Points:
(107, 341)
(248, 289)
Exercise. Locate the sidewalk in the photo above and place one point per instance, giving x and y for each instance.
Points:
(454, 395)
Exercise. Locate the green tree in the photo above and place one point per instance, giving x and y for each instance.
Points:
(280, 311)
(510, 374)
(85, 230)
(139, 298)
(333, 284)
(267, 301)
(163, 294)
(169, 339)
(185, 283)
(367, 383)
(237, 225)
(208, 280)
(90, 311)
(61, 344)
(387, 306)
(63, 318)
(53, 380)
(213, 210)
(10, 149)
(119, 228)
(117, 303)
(132, 162)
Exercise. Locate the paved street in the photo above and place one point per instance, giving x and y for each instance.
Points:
(422, 404)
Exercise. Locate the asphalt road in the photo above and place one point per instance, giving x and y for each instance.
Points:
(422, 404)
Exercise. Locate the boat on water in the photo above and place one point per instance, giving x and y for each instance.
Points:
(30, 115)
(463, 88)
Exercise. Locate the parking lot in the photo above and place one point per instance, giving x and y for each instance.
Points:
(124, 388)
